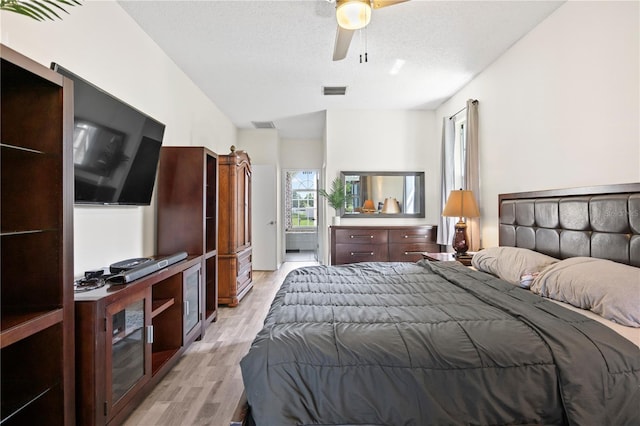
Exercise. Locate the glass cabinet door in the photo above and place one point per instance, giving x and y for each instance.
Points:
(192, 298)
(127, 329)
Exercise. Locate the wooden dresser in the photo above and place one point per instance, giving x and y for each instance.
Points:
(234, 227)
(351, 244)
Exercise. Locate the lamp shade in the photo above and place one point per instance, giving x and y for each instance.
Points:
(461, 203)
(368, 206)
(353, 14)
(390, 206)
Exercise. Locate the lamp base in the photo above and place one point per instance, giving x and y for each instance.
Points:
(460, 241)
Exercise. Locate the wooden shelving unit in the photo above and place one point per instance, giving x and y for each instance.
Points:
(188, 217)
(36, 278)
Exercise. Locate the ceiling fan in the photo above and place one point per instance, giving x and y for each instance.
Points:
(353, 15)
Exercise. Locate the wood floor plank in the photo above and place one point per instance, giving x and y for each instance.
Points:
(205, 386)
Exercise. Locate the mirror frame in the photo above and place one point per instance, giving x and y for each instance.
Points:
(420, 201)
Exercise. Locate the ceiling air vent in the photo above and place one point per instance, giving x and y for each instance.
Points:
(263, 124)
(334, 90)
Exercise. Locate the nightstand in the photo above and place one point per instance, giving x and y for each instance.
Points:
(447, 257)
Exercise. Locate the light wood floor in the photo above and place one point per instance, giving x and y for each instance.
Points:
(205, 386)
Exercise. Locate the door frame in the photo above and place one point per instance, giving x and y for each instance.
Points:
(284, 210)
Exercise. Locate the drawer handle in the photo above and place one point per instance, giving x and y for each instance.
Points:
(361, 236)
(413, 252)
(361, 253)
(415, 236)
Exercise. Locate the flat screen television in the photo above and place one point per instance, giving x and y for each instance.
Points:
(116, 148)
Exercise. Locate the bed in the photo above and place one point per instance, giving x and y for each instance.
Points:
(439, 343)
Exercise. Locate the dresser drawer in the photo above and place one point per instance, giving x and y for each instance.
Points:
(409, 252)
(244, 260)
(244, 272)
(412, 235)
(361, 236)
(243, 280)
(352, 253)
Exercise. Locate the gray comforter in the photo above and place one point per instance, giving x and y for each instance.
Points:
(432, 344)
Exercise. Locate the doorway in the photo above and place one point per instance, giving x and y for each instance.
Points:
(264, 217)
(300, 215)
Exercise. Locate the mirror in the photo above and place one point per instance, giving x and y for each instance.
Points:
(383, 194)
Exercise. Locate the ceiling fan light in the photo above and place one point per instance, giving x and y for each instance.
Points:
(353, 14)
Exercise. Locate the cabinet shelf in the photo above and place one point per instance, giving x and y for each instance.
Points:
(160, 305)
(32, 387)
(160, 358)
(21, 148)
(18, 325)
(27, 232)
(14, 411)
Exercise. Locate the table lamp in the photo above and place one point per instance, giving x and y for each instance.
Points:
(462, 204)
(390, 206)
(368, 206)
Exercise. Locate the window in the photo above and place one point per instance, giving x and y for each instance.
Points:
(300, 198)
(459, 154)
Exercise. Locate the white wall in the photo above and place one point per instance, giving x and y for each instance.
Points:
(101, 43)
(391, 140)
(301, 154)
(263, 146)
(561, 107)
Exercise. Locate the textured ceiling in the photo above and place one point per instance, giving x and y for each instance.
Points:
(268, 60)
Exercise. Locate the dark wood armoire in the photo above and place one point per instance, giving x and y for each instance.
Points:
(234, 235)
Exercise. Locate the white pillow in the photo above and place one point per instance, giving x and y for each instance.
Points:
(610, 289)
(513, 264)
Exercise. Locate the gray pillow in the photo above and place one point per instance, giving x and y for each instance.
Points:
(513, 264)
(610, 289)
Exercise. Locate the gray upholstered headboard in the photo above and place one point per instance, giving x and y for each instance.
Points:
(601, 221)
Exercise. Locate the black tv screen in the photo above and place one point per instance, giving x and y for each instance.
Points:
(116, 148)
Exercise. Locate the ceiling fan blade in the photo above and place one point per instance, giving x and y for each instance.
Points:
(377, 4)
(343, 40)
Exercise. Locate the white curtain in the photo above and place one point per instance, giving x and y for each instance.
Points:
(447, 224)
(472, 172)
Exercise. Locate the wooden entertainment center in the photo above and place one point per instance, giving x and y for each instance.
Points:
(91, 357)
(129, 336)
